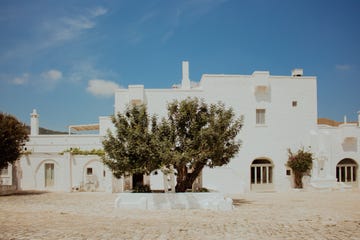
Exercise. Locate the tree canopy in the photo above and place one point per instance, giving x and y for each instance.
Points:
(132, 149)
(200, 135)
(13, 135)
(193, 135)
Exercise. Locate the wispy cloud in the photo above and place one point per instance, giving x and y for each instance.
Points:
(54, 32)
(48, 80)
(71, 27)
(342, 67)
(53, 74)
(168, 20)
(85, 70)
(102, 88)
(44, 81)
(22, 80)
(98, 11)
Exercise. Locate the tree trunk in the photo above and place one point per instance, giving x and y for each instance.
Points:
(185, 180)
(298, 180)
(181, 184)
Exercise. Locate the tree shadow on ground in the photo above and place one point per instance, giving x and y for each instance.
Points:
(238, 202)
(23, 193)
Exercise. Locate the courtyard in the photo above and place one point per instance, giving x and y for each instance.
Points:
(290, 215)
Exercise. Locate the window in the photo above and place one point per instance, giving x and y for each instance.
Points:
(294, 103)
(261, 171)
(89, 171)
(288, 172)
(346, 170)
(260, 116)
(4, 171)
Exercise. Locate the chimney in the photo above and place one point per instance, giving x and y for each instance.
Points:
(185, 82)
(297, 72)
(358, 118)
(34, 123)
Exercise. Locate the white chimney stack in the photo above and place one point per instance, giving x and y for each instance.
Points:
(34, 123)
(297, 72)
(185, 82)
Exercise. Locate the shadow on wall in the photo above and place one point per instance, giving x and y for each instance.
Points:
(24, 193)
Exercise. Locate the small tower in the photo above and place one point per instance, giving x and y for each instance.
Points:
(185, 82)
(34, 123)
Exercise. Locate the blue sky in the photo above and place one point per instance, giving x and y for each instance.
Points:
(61, 57)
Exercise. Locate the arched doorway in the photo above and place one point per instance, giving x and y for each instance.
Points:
(346, 171)
(261, 175)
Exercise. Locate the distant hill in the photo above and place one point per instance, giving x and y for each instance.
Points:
(45, 131)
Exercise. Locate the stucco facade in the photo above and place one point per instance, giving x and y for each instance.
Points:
(280, 112)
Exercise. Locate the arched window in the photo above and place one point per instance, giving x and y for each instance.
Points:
(261, 172)
(346, 170)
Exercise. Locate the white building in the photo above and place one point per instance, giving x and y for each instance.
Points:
(280, 112)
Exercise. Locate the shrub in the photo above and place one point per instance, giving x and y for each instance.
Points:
(300, 162)
(141, 189)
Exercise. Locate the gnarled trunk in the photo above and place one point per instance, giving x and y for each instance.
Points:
(184, 179)
(298, 179)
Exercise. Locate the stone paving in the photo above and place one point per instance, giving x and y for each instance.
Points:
(292, 215)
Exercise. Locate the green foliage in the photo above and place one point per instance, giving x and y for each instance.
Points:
(141, 189)
(132, 149)
(300, 162)
(13, 136)
(195, 135)
(78, 151)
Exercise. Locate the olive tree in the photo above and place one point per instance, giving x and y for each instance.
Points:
(132, 148)
(198, 135)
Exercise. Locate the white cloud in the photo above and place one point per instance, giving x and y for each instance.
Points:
(102, 88)
(21, 80)
(53, 75)
(49, 79)
(343, 67)
(99, 11)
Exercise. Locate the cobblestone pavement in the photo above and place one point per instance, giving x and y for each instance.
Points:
(292, 215)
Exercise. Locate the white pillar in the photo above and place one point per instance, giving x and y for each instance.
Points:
(185, 82)
(34, 123)
(255, 175)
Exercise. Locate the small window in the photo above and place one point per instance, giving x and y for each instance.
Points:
(104, 173)
(89, 171)
(288, 172)
(260, 116)
(294, 103)
(4, 171)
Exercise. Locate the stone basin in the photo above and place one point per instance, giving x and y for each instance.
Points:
(159, 201)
